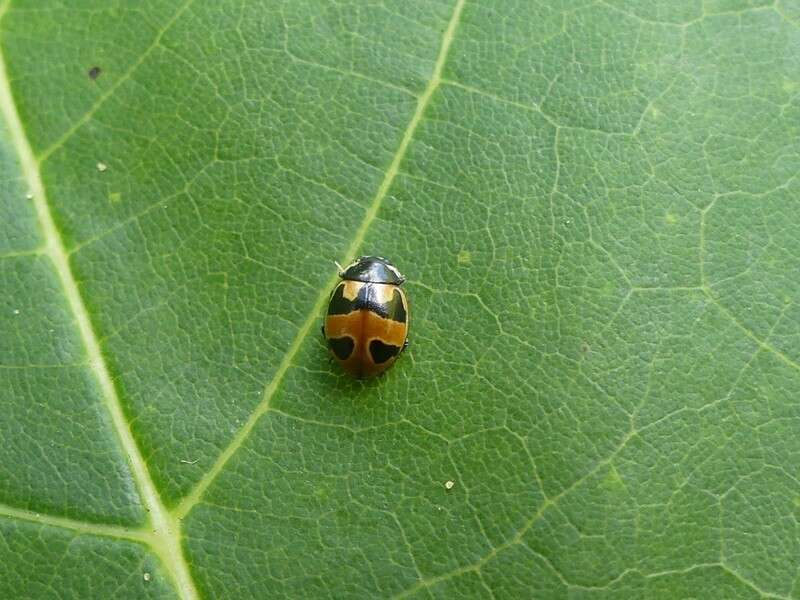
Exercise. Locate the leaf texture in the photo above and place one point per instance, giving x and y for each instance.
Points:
(595, 204)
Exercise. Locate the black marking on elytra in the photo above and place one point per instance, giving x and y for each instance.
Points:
(368, 298)
(342, 347)
(395, 309)
(381, 352)
(339, 305)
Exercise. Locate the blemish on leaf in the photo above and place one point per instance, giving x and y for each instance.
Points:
(790, 85)
(114, 197)
(94, 73)
(612, 481)
(102, 167)
(671, 219)
(146, 576)
(449, 484)
(464, 257)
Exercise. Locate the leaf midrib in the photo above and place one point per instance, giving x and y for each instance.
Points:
(163, 534)
(166, 533)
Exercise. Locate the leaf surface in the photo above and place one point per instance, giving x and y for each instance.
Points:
(595, 204)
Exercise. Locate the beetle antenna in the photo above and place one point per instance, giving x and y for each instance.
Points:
(336, 262)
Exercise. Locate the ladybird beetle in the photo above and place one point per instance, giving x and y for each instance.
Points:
(367, 321)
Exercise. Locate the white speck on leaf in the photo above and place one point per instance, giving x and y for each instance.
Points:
(101, 166)
(449, 484)
(146, 576)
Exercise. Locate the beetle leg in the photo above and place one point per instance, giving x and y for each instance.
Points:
(405, 345)
(322, 329)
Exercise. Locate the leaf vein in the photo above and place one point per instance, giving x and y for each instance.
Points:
(103, 98)
(166, 539)
(194, 497)
(81, 527)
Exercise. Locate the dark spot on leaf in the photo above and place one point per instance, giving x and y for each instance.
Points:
(94, 73)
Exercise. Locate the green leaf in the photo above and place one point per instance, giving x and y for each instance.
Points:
(596, 204)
